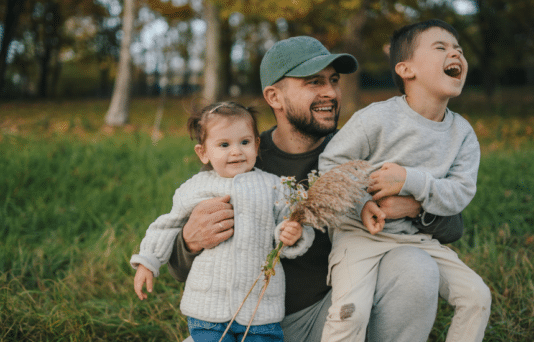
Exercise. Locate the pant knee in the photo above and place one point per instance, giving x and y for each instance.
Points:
(346, 322)
(478, 297)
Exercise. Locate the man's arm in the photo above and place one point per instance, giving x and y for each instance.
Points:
(446, 229)
(210, 223)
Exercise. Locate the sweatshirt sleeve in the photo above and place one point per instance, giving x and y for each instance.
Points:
(450, 195)
(350, 143)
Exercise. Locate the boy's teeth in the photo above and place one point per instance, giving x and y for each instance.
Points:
(453, 70)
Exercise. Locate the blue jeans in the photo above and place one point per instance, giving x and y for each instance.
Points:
(203, 331)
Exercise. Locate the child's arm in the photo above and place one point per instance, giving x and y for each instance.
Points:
(373, 218)
(387, 181)
(142, 276)
(451, 194)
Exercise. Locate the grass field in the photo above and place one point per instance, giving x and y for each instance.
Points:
(76, 198)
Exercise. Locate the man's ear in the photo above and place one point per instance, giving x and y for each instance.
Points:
(404, 70)
(201, 153)
(273, 97)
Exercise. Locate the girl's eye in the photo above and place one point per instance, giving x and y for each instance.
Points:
(441, 48)
(224, 144)
(245, 142)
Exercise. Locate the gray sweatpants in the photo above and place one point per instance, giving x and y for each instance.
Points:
(405, 302)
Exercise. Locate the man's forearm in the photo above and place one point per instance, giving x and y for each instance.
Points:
(181, 259)
(445, 229)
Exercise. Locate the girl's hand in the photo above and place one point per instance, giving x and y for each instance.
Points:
(143, 275)
(290, 232)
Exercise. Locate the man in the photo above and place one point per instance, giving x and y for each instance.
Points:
(300, 82)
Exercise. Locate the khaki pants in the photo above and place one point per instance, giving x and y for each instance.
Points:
(354, 262)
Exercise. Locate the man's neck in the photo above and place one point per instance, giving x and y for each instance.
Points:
(292, 141)
(429, 107)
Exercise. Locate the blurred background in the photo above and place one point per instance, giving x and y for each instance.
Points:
(94, 95)
(72, 48)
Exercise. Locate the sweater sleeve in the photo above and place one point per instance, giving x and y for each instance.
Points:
(157, 245)
(449, 195)
(300, 247)
(281, 213)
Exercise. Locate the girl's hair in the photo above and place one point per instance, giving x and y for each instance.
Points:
(198, 121)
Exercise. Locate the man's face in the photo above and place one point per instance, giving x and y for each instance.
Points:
(313, 103)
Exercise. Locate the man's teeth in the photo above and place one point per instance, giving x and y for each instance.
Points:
(323, 109)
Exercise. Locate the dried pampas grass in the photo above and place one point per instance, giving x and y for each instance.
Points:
(333, 195)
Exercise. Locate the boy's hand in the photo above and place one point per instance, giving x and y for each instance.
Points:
(143, 275)
(373, 217)
(388, 181)
(290, 232)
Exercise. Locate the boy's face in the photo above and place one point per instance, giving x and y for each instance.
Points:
(438, 64)
(230, 146)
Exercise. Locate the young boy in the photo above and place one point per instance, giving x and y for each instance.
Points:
(421, 149)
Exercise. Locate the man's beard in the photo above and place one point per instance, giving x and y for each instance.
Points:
(308, 125)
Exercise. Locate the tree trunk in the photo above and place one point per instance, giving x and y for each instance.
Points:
(118, 112)
(212, 69)
(225, 77)
(352, 43)
(13, 11)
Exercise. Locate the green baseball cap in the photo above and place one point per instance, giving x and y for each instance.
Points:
(300, 57)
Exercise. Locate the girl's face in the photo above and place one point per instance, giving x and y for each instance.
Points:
(230, 146)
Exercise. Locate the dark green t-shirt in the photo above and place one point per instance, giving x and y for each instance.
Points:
(305, 275)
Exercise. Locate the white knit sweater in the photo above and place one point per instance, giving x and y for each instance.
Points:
(220, 277)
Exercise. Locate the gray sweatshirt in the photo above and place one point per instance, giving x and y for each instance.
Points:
(441, 158)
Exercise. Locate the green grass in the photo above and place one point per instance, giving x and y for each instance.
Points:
(75, 201)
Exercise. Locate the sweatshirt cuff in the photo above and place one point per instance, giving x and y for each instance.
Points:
(358, 206)
(414, 184)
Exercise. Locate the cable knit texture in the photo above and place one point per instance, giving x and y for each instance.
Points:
(221, 277)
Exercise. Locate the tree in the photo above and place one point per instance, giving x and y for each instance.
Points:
(118, 112)
(12, 14)
(212, 90)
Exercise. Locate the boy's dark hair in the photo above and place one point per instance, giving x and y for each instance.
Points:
(197, 122)
(404, 41)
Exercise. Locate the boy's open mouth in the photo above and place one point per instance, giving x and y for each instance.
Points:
(453, 70)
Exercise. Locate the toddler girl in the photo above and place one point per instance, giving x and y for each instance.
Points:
(220, 277)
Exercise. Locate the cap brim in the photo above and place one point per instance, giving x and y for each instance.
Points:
(342, 63)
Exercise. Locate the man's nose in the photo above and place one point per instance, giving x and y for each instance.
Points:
(329, 90)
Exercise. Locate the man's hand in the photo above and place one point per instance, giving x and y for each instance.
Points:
(210, 223)
(396, 207)
(290, 232)
(142, 276)
(373, 218)
(388, 181)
